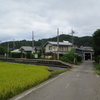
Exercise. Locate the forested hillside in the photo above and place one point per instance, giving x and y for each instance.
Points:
(79, 41)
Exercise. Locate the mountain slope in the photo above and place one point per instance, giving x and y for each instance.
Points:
(79, 41)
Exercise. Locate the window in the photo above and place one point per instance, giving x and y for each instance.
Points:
(50, 47)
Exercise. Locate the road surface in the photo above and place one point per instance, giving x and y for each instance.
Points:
(78, 84)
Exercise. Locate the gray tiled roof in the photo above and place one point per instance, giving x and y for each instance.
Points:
(26, 48)
(60, 43)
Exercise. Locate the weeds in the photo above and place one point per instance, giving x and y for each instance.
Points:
(97, 68)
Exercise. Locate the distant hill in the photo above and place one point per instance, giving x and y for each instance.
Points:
(78, 41)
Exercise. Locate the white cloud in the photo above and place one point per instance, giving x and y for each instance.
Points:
(18, 18)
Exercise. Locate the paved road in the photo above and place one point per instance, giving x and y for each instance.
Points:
(78, 84)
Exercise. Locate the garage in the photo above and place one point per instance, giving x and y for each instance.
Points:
(88, 56)
(85, 52)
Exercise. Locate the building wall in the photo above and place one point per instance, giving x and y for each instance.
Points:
(64, 48)
(50, 48)
(84, 54)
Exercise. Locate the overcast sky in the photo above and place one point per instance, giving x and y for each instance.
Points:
(18, 18)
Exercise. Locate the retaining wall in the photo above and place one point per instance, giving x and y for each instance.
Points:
(53, 63)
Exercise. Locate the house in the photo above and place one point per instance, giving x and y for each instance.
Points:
(85, 52)
(26, 49)
(16, 51)
(52, 47)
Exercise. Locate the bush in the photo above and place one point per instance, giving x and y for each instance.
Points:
(28, 55)
(71, 57)
(79, 58)
(97, 59)
(15, 55)
(97, 66)
(32, 56)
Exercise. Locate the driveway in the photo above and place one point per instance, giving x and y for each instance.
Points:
(78, 84)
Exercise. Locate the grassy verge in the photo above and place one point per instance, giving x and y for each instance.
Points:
(16, 78)
(97, 68)
(56, 72)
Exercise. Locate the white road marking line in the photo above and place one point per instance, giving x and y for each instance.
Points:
(28, 92)
(67, 86)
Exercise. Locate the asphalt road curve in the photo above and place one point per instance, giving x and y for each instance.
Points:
(78, 84)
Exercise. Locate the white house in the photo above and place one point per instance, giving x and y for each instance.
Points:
(53, 47)
(16, 50)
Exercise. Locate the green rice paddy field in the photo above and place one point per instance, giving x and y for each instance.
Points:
(15, 78)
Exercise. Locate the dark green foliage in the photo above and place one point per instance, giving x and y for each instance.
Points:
(97, 59)
(15, 55)
(96, 44)
(97, 66)
(3, 50)
(32, 56)
(71, 57)
(28, 55)
(79, 58)
(83, 41)
(79, 41)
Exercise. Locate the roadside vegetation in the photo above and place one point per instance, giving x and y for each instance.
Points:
(72, 58)
(16, 78)
(97, 68)
(96, 47)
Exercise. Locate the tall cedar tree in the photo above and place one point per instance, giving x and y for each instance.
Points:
(96, 43)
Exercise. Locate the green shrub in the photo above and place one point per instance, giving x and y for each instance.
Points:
(71, 57)
(15, 55)
(97, 59)
(28, 55)
(79, 58)
(32, 56)
(97, 66)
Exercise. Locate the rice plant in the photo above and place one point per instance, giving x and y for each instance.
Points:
(16, 78)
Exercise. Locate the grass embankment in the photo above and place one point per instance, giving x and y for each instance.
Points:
(16, 78)
(97, 68)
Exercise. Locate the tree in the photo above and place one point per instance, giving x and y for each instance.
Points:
(3, 50)
(96, 44)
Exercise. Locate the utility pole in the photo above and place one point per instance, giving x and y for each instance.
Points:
(8, 50)
(13, 44)
(42, 48)
(72, 33)
(58, 43)
(32, 41)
